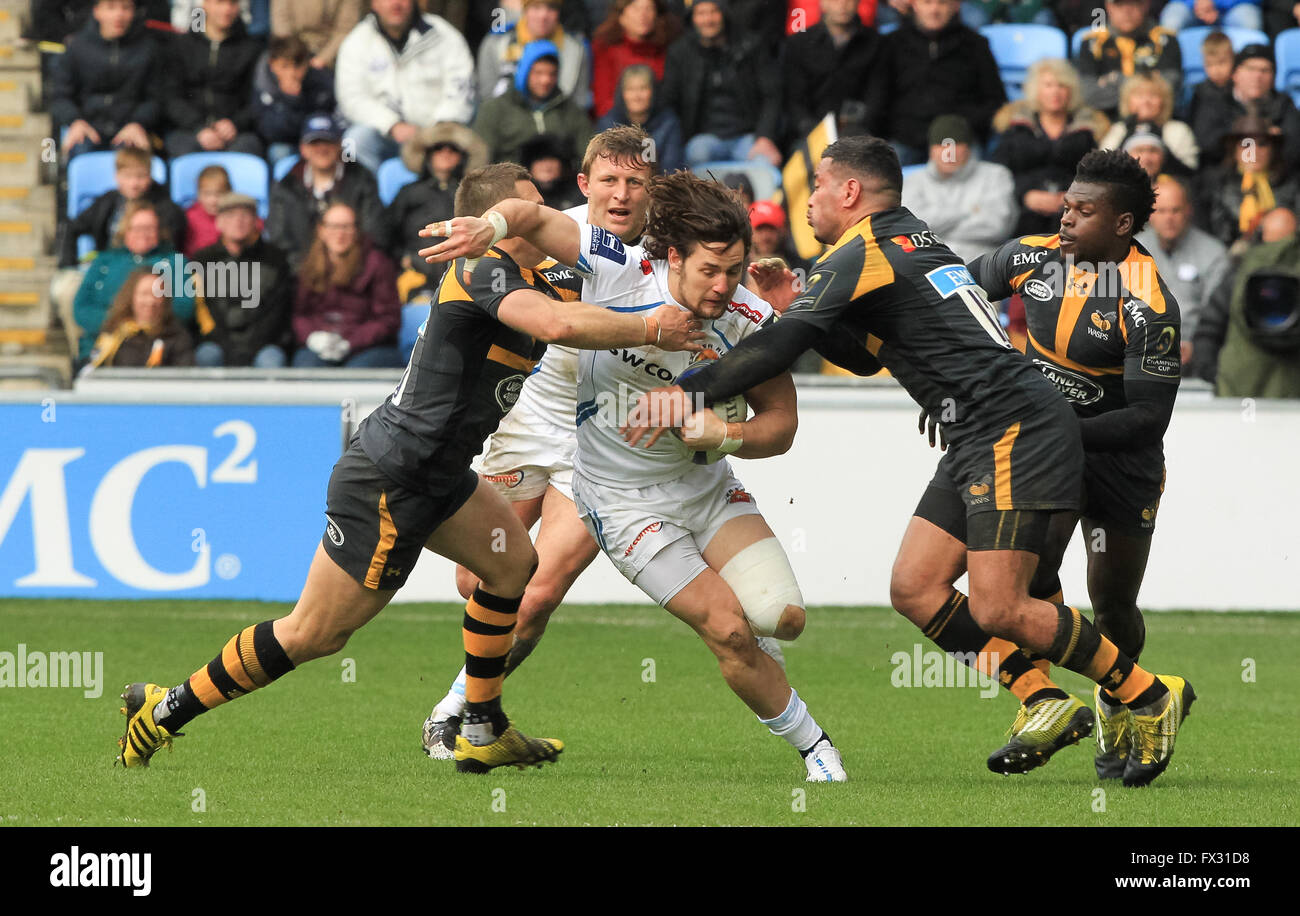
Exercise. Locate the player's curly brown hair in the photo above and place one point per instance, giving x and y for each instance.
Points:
(686, 210)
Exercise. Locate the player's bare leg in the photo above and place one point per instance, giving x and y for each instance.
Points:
(486, 537)
(564, 549)
(331, 608)
(709, 604)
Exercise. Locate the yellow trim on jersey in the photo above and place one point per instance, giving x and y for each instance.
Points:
(513, 360)
(1067, 363)
(451, 289)
(876, 271)
(874, 344)
(1072, 304)
(1042, 241)
(1002, 465)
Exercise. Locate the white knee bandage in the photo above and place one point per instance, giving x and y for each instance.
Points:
(761, 578)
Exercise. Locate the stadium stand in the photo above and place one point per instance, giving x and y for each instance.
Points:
(1015, 47)
(248, 175)
(393, 175)
(91, 174)
(1189, 42)
(1287, 51)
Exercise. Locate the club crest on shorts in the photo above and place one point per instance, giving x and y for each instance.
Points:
(333, 532)
(738, 495)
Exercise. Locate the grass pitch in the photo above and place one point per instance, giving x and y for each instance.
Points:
(654, 736)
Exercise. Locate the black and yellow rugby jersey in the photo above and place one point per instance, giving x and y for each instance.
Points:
(465, 373)
(1091, 332)
(891, 282)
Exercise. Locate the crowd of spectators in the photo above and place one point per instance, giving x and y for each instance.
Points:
(448, 85)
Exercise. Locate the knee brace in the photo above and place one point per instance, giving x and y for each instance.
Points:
(762, 580)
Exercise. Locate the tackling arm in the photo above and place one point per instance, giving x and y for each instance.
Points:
(590, 327)
(554, 233)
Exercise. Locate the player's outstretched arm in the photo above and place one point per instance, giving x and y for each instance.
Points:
(590, 327)
(769, 432)
(552, 232)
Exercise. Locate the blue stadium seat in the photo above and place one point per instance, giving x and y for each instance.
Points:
(413, 318)
(85, 246)
(912, 169)
(1189, 42)
(1076, 40)
(91, 174)
(763, 177)
(283, 167)
(1015, 47)
(248, 175)
(393, 175)
(1286, 47)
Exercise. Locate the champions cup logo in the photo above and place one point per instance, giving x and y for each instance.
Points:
(648, 529)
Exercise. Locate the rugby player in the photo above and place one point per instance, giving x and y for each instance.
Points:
(1104, 328)
(405, 484)
(1015, 454)
(687, 534)
(529, 459)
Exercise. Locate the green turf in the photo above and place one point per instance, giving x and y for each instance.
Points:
(682, 749)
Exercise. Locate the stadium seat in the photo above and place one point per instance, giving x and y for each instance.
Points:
(413, 318)
(912, 169)
(92, 174)
(283, 166)
(393, 175)
(1015, 47)
(763, 177)
(1076, 40)
(1286, 48)
(1189, 42)
(85, 246)
(248, 175)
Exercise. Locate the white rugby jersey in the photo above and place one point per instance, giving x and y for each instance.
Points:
(622, 278)
(550, 392)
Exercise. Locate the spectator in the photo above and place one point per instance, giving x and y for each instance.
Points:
(1234, 14)
(499, 54)
(321, 25)
(397, 71)
(1146, 105)
(1252, 94)
(1246, 340)
(726, 93)
(440, 155)
(1251, 181)
(139, 243)
(286, 90)
(131, 174)
(345, 310)
(186, 15)
(105, 85)
(534, 105)
(634, 32)
(836, 67)
(802, 15)
(201, 217)
(1192, 262)
(739, 182)
(938, 66)
(1043, 137)
(550, 166)
(771, 240)
(141, 330)
(1149, 150)
(1280, 15)
(1216, 89)
(245, 303)
(639, 103)
(1130, 43)
(476, 20)
(968, 203)
(319, 178)
(211, 108)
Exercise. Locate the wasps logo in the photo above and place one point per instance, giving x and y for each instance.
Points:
(1103, 324)
(979, 489)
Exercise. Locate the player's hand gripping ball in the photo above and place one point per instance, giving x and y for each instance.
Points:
(733, 410)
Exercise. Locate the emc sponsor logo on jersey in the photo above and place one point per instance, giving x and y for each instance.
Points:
(1028, 257)
(606, 244)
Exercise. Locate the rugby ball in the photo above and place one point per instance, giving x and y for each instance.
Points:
(733, 410)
